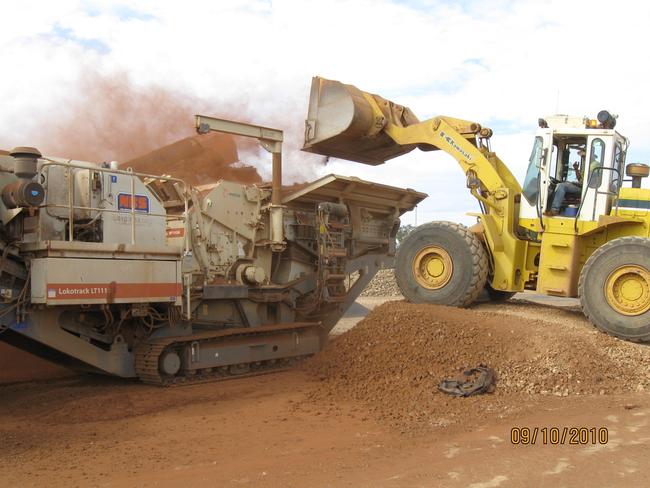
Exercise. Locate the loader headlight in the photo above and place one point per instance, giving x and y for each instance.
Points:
(607, 120)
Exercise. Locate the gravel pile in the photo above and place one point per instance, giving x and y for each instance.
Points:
(393, 360)
(382, 285)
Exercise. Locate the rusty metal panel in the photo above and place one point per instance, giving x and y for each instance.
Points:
(78, 249)
(69, 281)
(355, 190)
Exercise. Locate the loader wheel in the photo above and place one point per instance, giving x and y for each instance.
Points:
(614, 288)
(442, 263)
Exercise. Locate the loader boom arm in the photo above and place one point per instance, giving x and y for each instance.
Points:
(346, 122)
(447, 134)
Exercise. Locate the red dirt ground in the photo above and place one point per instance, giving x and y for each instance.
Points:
(17, 365)
(320, 426)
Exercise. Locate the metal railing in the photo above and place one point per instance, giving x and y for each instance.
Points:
(71, 207)
(592, 174)
(146, 180)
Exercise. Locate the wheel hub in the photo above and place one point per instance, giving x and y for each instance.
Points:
(170, 363)
(627, 290)
(432, 267)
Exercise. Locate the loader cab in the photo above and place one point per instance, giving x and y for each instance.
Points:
(575, 169)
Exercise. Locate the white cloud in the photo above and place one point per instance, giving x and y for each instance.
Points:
(485, 61)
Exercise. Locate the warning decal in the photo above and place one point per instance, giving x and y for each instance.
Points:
(141, 202)
(175, 232)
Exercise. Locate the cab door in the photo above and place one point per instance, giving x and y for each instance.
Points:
(535, 185)
(546, 171)
(597, 192)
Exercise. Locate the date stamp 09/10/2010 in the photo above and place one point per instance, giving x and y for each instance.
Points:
(558, 436)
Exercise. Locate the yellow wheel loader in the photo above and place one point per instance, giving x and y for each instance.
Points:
(570, 230)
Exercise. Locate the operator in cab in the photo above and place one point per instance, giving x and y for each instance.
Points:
(569, 188)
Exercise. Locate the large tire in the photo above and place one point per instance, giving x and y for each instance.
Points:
(614, 288)
(422, 269)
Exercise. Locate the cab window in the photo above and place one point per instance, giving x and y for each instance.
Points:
(530, 188)
(570, 155)
(574, 159)
(554, 168)
(596, 158)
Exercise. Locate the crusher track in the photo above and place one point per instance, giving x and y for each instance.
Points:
(148, 353)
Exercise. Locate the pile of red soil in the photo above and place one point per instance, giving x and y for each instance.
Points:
(393, 360)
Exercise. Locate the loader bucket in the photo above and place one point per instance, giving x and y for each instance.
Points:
(341, 123)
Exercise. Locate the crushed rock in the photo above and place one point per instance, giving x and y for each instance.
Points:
(393, 360)
(383, 284)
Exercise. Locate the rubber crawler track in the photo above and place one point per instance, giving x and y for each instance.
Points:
(147, 355)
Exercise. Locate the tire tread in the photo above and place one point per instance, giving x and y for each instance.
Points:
(621, 241)
(480, 265)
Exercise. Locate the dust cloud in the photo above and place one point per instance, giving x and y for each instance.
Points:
(110, 118)
(151, 128)
(197, 160)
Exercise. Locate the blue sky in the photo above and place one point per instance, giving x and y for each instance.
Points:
(501, 63)
(66, 34)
